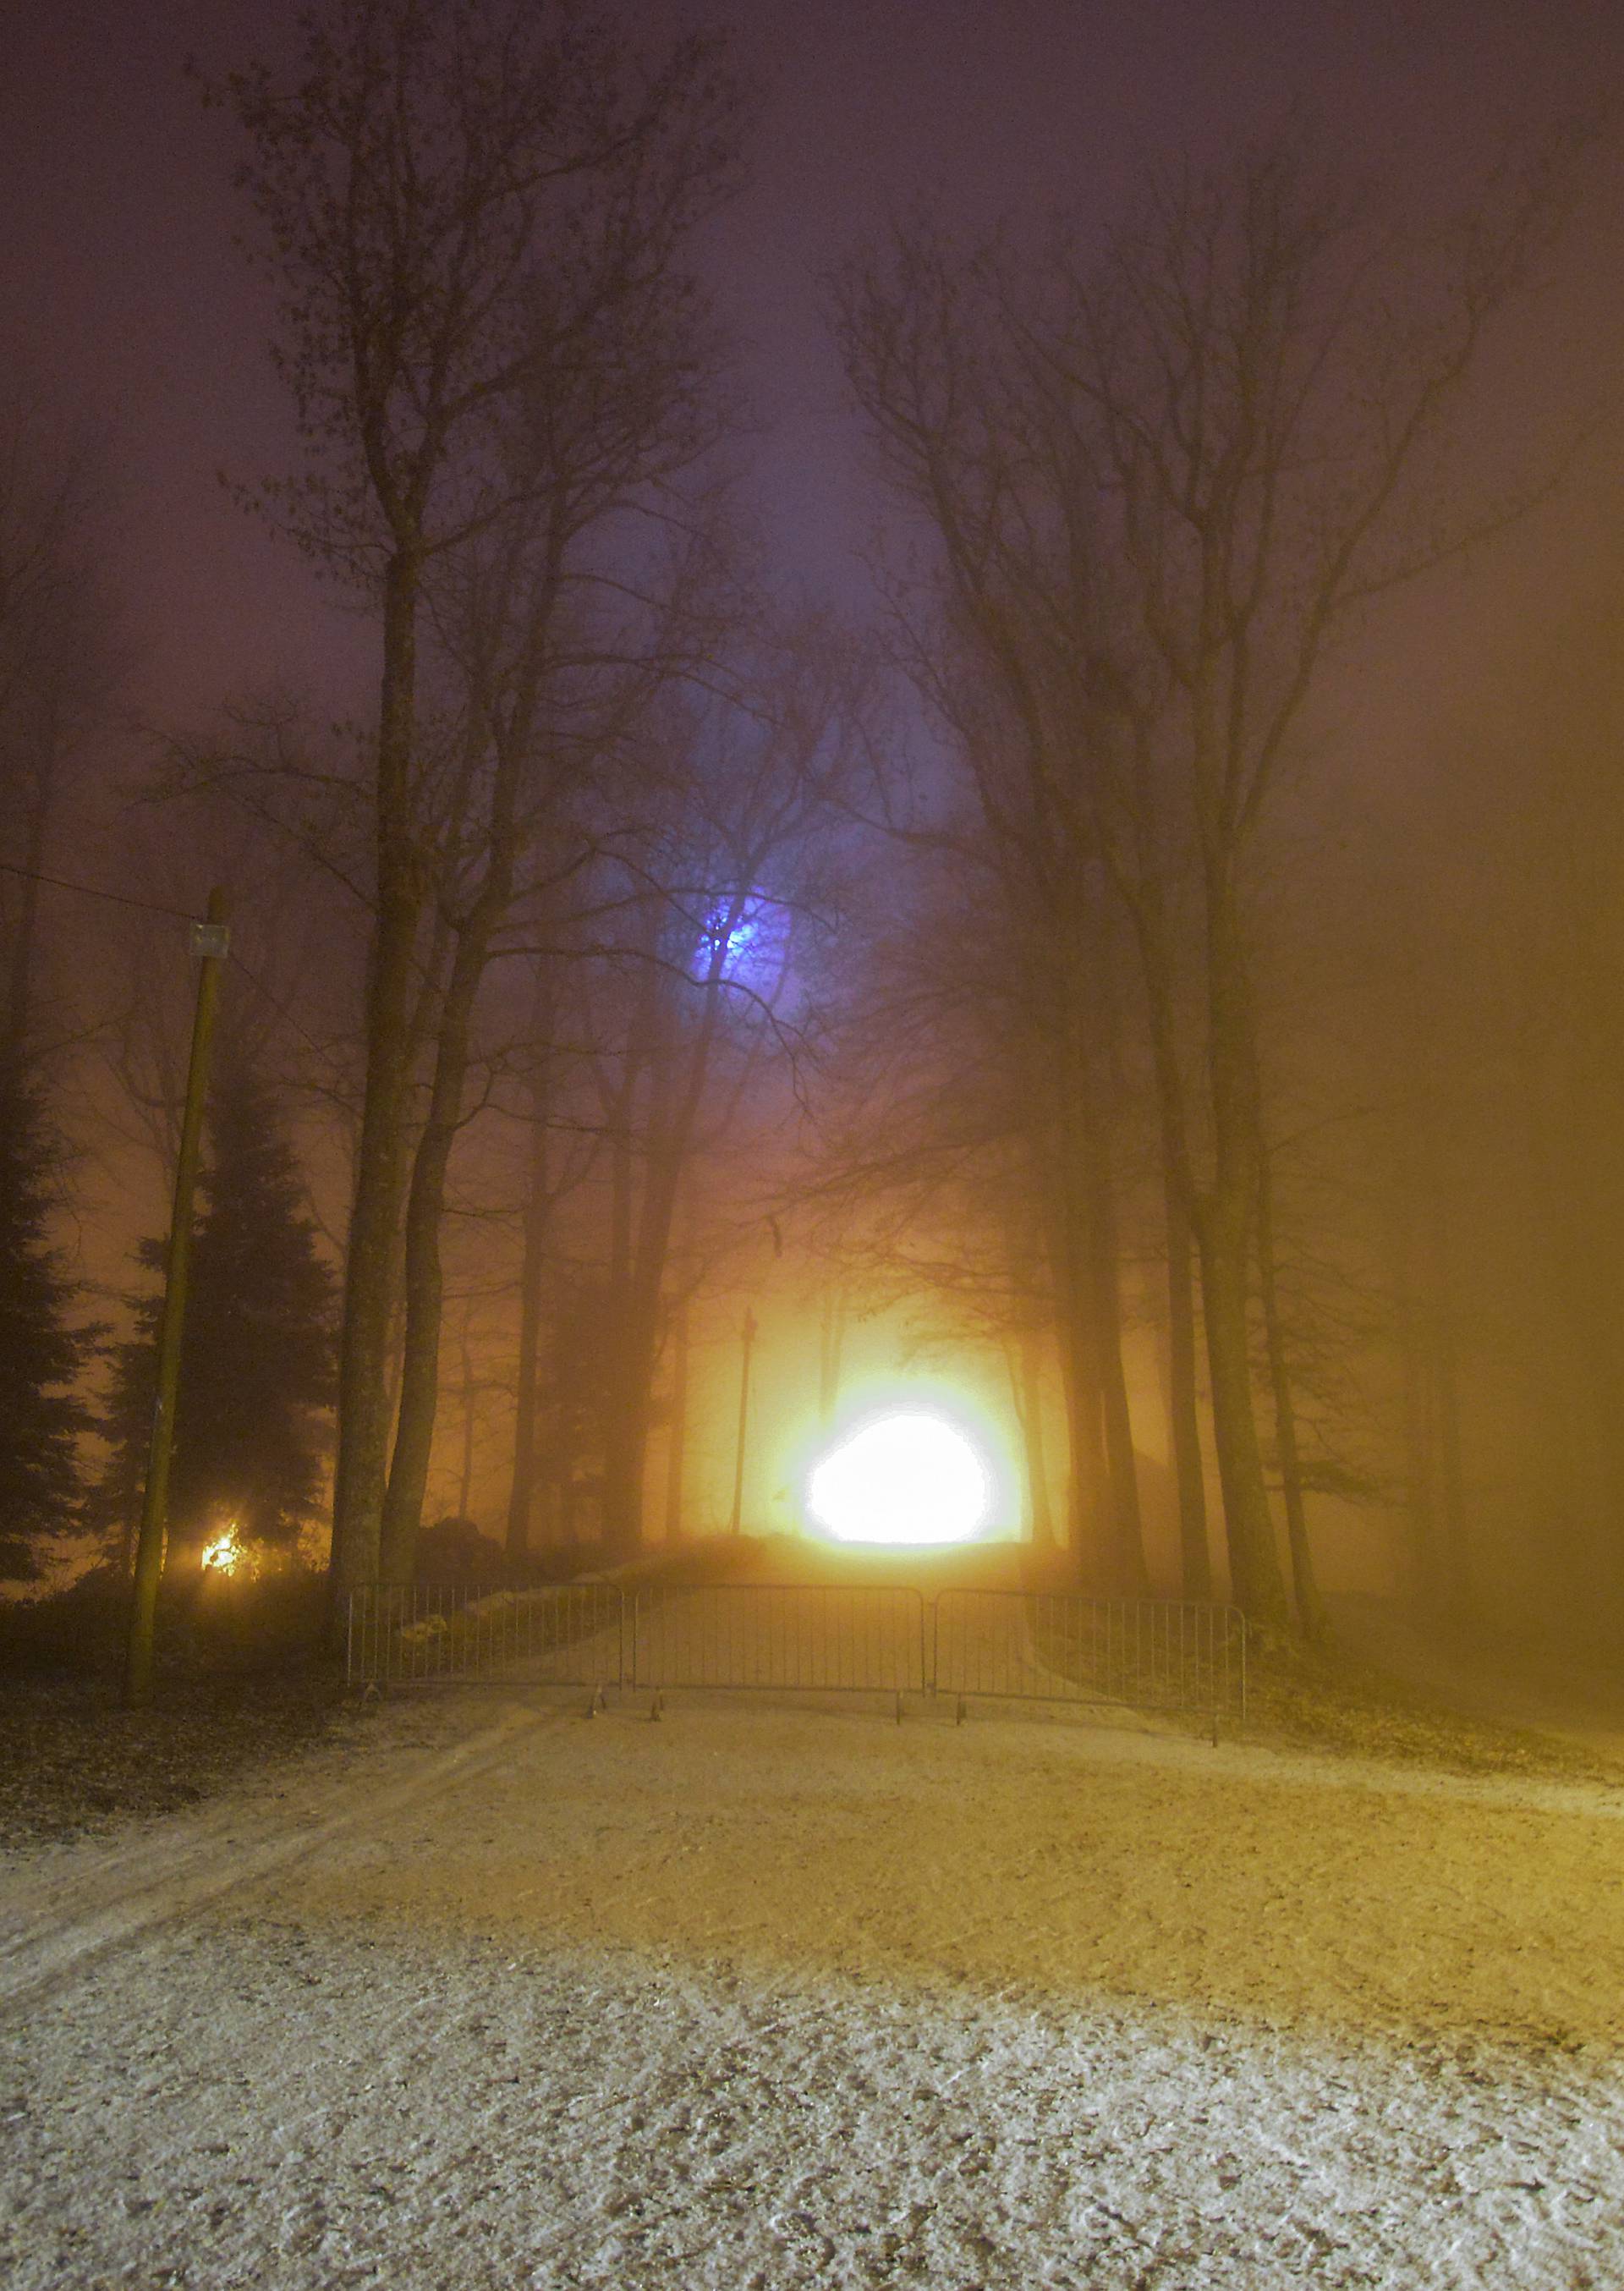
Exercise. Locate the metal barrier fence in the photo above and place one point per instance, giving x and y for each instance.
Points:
(1048, 1646)
(559, 1634)
(1061, 1647)
(836, 1637)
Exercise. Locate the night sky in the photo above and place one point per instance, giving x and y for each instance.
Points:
(122, 291)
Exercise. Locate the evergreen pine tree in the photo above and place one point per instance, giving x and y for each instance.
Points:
(257, 1358)
(41, 1415)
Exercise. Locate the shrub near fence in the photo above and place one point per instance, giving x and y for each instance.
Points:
(866, 1638)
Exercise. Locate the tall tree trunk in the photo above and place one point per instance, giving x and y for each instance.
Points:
(20, 969)
(425, 1287)
(471, 1400)
(673, 1117)
(1029, 1400)
(1080, 1378)
(1310, 1608)
(639, 1355)
(1126, 1540)
(625, 1429)
(1088, 1206)
(1461, 1587)
(1148, 917)
(363, 1423)
(1223, 1220)
(1255, 1581)
(676, 1446)
(1196, 1557)
(1417, 1412)
(1424, 1295)
(626, 1461)
(425, 1214)
(532, 1278)
(831, 1336)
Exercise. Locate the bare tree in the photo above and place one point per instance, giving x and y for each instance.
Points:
(560, 623)
(61, 663)
(421, 186)
(1163, 483)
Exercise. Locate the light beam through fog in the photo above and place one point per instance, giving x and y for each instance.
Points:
(904, 1479)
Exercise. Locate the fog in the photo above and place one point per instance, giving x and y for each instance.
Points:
(1040, 826)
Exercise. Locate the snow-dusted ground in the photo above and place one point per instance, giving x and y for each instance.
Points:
(489, 1995)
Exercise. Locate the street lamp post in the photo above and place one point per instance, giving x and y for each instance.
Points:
(738, 1455)
(210, 940)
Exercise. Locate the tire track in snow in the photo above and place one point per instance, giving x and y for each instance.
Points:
(59, 1931)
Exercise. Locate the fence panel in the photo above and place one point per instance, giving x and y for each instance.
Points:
(851, 1638)
(557, 1633)
(1061, 1647)
(840, 1638)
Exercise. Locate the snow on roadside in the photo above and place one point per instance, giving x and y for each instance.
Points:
(332, 2113)
(768, 1998)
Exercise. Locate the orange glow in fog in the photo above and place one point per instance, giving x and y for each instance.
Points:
(225, 1554)
(907, 1478)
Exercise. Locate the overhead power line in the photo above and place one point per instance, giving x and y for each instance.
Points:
(177, 914)
(90, 891)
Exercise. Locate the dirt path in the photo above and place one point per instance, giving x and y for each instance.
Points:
(491, 1996)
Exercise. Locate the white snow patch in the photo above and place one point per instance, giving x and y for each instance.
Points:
(762, 1998)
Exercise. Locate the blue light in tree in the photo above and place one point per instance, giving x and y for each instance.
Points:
(752, 942)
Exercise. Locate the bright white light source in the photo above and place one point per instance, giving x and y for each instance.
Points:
(904, 1479)
(224, 1556)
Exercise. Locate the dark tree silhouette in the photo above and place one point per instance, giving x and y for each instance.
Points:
(41, 1355)
(60, 664)
(257, 1367)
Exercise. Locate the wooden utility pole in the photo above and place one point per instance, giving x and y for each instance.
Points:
(830, 1337)
(738, 1454)
(676, 1447)
(210, 941)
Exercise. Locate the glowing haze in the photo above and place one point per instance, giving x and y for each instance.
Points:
(903, 1479)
